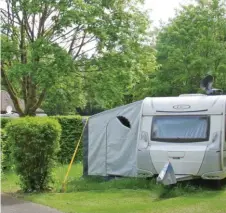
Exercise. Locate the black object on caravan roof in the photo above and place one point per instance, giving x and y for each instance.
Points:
(207, 83)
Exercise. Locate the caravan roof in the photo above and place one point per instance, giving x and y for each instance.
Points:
(184, 104)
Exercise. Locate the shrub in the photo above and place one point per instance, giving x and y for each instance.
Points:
(4, 122)
(2, 141)
(35, 142)
(71, 132)
(6, 151)
(7, 163)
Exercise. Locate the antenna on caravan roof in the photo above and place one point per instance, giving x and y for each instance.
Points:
(207, 83)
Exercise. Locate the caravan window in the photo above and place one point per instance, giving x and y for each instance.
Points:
(180, 128)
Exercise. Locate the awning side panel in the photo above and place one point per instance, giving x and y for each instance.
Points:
(97, 146)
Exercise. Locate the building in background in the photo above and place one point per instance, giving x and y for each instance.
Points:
(6, 102)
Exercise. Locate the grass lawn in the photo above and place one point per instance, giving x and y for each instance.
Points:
(124, 195)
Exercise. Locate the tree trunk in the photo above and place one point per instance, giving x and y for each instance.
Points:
(11, 92)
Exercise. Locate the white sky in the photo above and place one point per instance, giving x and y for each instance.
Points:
(164, 9)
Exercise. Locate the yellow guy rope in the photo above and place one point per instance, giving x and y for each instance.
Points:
(72, 159)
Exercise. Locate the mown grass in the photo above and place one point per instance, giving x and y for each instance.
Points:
(129, 195)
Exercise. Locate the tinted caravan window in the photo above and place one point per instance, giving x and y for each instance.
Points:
(180, 128)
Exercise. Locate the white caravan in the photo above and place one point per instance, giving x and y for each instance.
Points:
(188, 131)
(138, 139)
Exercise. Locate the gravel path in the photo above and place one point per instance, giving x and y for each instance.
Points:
(14, 205)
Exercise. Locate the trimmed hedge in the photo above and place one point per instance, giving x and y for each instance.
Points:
(71, 131)
(6, 152)
(2, 142)
(4, 122)
(34, 145)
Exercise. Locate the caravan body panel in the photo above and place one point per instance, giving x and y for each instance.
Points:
(185, 159)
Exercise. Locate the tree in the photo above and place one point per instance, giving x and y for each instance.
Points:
(191, 46)
(118, 78)
(65, 96)
(44, 41)
(31, 62)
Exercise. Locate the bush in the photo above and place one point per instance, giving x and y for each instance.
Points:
(71, 132)
(35, 143)
(6, 152)
(4, 122)
(2, 141)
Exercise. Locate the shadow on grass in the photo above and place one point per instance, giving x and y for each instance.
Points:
(186, 188)
(102, 184)
(190, 188)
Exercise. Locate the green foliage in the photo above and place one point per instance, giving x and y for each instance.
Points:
(71, 131)
(35, 143)
(3, 136)
(4, 122)
(6, 151)
(2, 143)
(7, 163)
(191, 46)
(64, 97)
(121, 74)
(48, 52)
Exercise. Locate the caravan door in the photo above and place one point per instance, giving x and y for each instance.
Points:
(182, 140)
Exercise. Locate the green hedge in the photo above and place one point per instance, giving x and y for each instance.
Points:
(2, 143)
(34, 145)
(6, 152)
(4, 122)
(71, 132)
